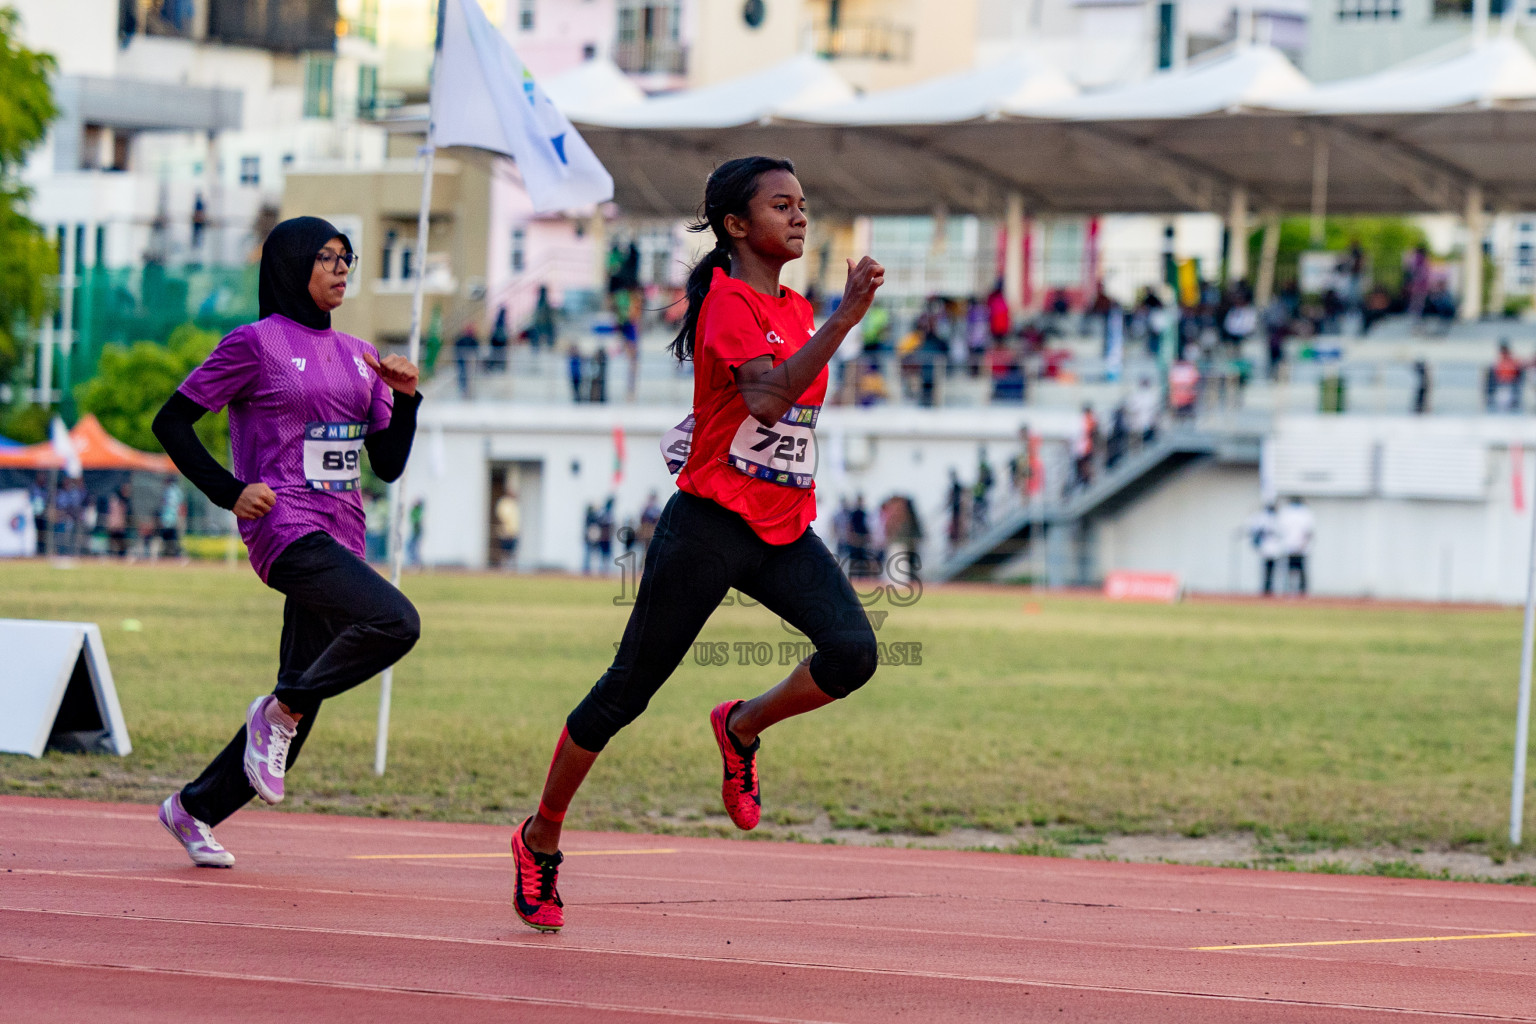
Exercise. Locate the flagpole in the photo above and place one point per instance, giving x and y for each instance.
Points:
(1523, 709)
(396, 496)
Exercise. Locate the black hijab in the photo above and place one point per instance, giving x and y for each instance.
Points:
(287, 262)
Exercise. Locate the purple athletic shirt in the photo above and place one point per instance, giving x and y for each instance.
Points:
(300, 403)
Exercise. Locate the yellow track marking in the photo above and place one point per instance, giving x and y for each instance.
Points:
(1371, 942)
(467, 856)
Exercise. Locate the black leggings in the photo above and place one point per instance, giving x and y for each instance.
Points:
(343, 624)
(699, 552)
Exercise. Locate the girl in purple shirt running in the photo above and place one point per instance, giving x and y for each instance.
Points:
(304, 401)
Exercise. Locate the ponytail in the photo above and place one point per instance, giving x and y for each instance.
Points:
(728, 191)
(699, 279)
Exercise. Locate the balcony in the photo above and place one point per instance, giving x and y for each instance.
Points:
(651, 56)
(283, 26)
(860, 40)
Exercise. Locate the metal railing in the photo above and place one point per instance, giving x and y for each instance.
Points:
(651, 56)
(860, 40)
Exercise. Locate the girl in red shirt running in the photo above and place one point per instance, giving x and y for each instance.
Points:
(740, 518)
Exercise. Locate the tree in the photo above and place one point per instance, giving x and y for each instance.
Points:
(27, 258)
(1384, 240)
(133, 382)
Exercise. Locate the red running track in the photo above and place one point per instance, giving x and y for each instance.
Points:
(349, 919)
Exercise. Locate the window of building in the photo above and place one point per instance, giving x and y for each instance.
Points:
(387, 260)
(1463, 8)
(589, 51)
(250, 170)
(365, 22)
(1370, 10)
(649, 38)
(519, 250)
(1061, 263)
(1525, 253)
(367, 91)
(101, 246)
(1167, 25)
(58, 244)
(319, 84)
(285, 26)
(525, 15)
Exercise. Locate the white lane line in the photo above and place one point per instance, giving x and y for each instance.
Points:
(637, 907)
(737, 962)
(754, 885)
(855, 856)
(1366, 942)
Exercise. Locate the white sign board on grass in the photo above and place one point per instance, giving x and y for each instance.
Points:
(18, 533)
(55, 685)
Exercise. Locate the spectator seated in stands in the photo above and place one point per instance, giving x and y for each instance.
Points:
(1007, 371)
(869, 386)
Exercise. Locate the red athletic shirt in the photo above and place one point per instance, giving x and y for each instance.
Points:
(762, 474)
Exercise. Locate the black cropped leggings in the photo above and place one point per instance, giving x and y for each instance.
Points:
(699, 552)
(343, 624)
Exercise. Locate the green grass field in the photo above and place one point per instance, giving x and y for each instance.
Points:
(1324, 725)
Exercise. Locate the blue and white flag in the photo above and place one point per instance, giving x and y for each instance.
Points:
(483, 96)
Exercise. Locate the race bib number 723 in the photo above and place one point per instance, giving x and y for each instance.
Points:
(783, 454)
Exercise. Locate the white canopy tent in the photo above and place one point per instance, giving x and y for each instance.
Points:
(1500, 72)
(1245, 78)
(591, 88)
(798, 84)
(1016, 85)
(1244, 125)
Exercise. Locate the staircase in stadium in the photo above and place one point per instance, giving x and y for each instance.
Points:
(1062, 530)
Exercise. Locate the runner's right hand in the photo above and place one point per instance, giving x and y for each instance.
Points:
(255, 501)
(859, 292)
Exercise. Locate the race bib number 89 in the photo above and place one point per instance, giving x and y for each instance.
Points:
(332, 455)
(784, 453)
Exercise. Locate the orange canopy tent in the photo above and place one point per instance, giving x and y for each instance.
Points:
(97, 449)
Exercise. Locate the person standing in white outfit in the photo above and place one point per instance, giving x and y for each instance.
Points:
(1264, 529)
(1295, 524)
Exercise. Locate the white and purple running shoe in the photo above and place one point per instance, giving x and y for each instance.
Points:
(266, 749)
(194, 836)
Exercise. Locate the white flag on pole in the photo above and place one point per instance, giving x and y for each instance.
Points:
(483, 96)
(64, 448)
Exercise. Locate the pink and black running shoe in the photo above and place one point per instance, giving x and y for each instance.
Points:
(739, 789)
(534, 895)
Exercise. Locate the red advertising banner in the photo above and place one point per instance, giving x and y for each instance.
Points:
(1122, 585)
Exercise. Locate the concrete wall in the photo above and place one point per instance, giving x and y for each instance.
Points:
(81, 34)
(721, 45)
(876, 452)
(1368, 544)
(1343, 48)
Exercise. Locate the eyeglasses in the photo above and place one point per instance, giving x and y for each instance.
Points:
(329, 258)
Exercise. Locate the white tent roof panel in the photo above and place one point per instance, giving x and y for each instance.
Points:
(1016, 85)
(591, 88)
(1497, 72)
(784, 90)
(1410, 139)
(1244, 78)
